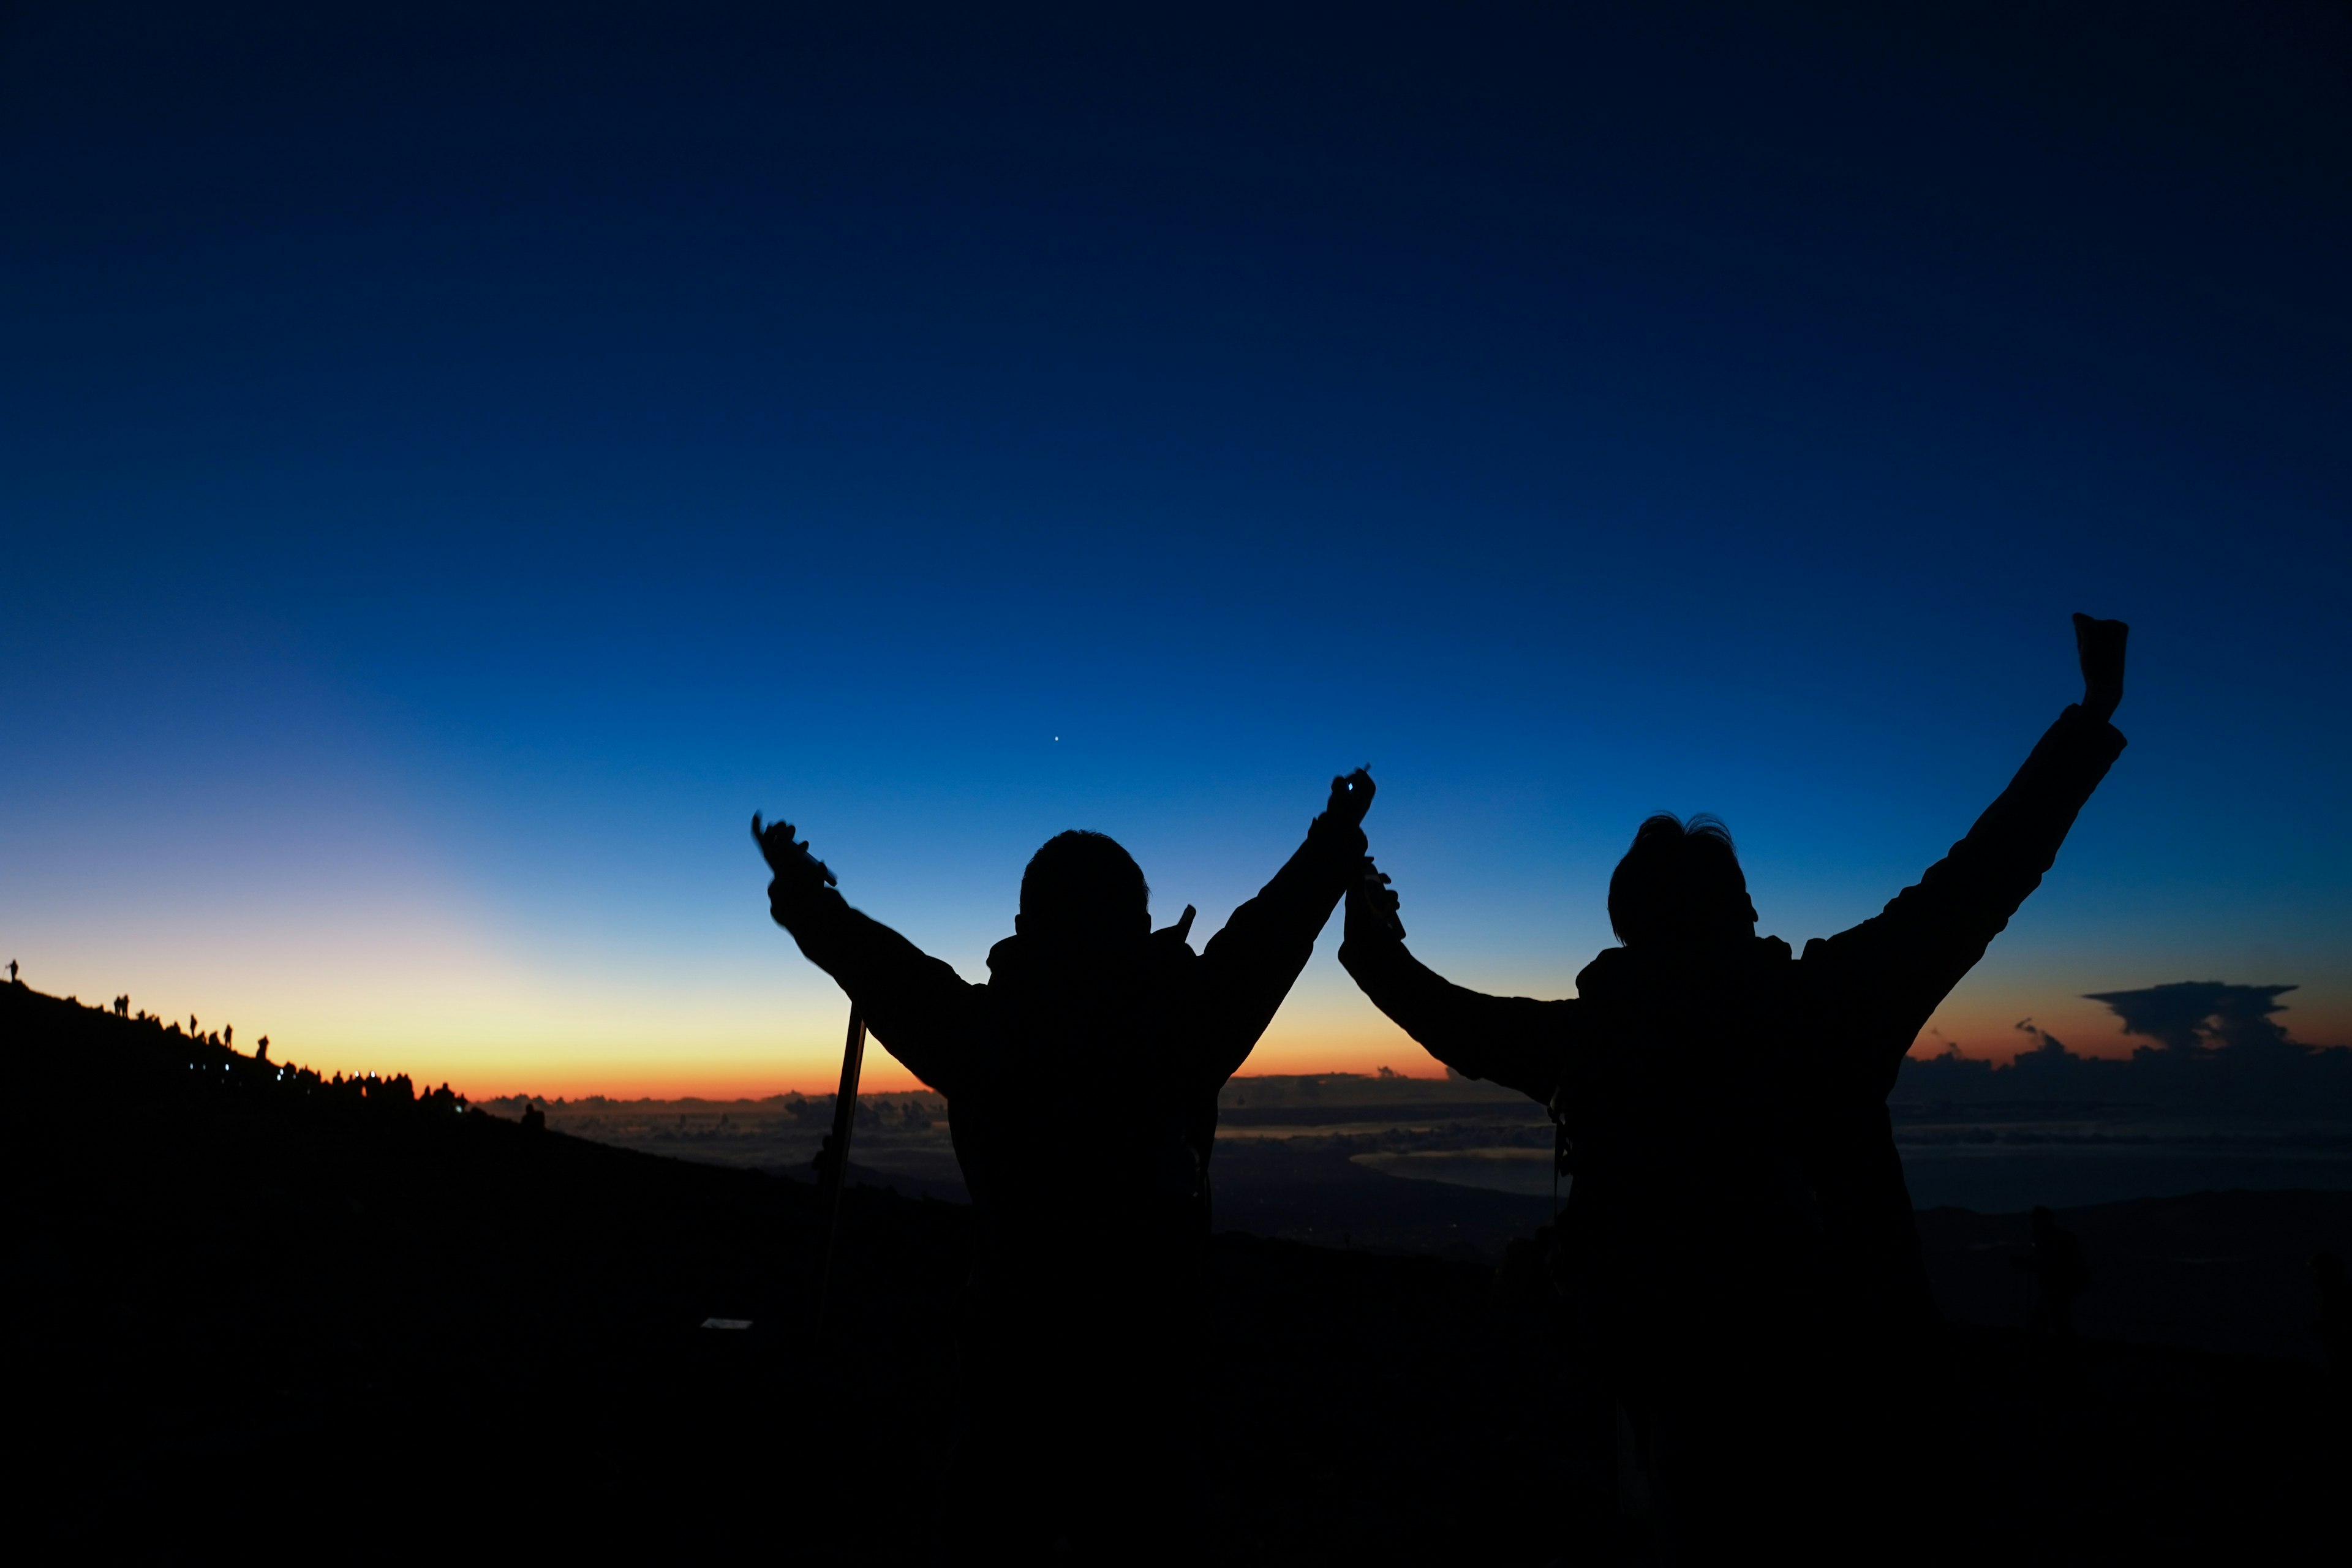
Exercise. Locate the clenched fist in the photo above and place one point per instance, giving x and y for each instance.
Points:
(2100, 646)
(1350, 798)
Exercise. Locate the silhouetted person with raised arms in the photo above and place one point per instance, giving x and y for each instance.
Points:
(1738, 1224)
(1081, 1081)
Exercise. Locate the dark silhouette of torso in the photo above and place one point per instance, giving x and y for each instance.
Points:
(1082, 1098)
(1083, 1112)
(1813, 1042)
(1689, 1212)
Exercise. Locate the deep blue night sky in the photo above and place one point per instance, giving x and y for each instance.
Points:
(452, 470)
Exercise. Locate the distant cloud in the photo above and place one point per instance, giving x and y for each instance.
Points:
(2044, 1040)
(2197, 1015)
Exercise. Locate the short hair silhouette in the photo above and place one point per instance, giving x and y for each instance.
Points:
(1083, 883)
(1679, 879)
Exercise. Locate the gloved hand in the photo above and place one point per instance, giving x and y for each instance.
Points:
(1350, 798)
(1372, 907)
(798, 873)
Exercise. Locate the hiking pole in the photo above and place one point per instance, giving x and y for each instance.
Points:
(787, 857)
(835, 1174)
(1563, 1147)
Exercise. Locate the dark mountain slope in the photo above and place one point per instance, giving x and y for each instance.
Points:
(258, 1318)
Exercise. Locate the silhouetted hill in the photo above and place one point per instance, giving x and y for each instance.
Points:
(337, 1322)
(276, 1319)
(262, 1322)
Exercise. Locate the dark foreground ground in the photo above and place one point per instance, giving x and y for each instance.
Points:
(255, 1324)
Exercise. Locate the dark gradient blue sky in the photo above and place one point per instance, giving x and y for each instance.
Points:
(452, 470)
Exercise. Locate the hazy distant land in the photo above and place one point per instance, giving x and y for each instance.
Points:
(1458, 1168)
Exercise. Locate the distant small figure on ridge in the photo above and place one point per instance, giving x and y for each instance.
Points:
(12, 972)
(261, 1049)
(534, 1120)
(2056, 1264)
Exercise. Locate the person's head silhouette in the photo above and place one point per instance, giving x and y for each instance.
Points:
(1081, 890)
(1680, 885)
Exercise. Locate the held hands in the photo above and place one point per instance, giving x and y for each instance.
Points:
(1372, 907)
(796, 870)
(2100, 645)
(1350, 798)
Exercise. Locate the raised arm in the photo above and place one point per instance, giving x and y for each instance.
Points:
(1249, 966)
(1902, 962)
(1515, 1041)
(920, 1009)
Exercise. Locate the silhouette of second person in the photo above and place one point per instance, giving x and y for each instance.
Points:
(1740, 1234)
(1081, 1081)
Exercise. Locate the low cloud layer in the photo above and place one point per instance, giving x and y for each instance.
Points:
(2202, 1014)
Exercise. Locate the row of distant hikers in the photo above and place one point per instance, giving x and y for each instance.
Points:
(398, 1089)
(1745, 1281)
(223, 1037)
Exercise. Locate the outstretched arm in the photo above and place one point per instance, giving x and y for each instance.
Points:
(1902, 962)
(920, 1009)
(1250, 966)
(1515, 1041)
